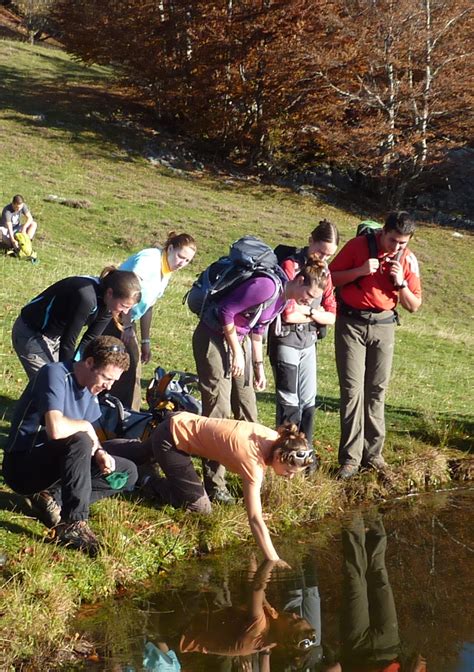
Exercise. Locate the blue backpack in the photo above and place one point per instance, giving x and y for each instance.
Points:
(248, 257)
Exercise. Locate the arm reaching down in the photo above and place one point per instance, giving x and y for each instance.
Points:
(253, 504)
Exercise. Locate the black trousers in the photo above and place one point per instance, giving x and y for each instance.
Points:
(184, 487)
(66, 464)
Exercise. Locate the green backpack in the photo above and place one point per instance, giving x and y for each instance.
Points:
(369, 228)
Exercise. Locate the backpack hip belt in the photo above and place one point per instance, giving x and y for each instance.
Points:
(304, 326)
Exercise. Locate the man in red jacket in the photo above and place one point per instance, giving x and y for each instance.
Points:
(369, 290)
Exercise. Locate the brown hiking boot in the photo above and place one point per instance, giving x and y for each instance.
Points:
(347, 471)
(77, 535)
(45, 508)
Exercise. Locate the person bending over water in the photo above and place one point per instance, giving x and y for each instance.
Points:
(245, 448)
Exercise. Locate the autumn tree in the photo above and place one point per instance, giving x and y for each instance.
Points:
(36, 15)
(380, 86)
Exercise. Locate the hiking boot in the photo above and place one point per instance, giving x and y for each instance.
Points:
(378, 464)
(222, 496)
(347, 471)
(45, 508)
(77, 535)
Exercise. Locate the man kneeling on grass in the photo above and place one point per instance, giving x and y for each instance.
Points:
(53, 450)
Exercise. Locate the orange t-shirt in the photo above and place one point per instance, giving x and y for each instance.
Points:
(229, 632)
(374, 291)
(242, 447)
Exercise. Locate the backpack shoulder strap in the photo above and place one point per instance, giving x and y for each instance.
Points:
(372, 243)
(278, 277)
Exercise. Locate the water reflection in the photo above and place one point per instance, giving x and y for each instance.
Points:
(370, 636)
(253, 636)
(382, 593)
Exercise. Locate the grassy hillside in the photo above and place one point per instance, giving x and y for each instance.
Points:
(68, 131)
(64, 132)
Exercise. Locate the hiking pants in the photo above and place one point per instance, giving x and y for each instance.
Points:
(369, 625)
(183, 487)
(294, 371)
(222, 395)
(33, 348)
(66, 464)
(128, 387)
(364, 353)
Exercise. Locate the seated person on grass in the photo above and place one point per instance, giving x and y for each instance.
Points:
(245, 448)
(53, 446)
(11, 224)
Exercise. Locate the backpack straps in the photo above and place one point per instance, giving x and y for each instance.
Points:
(372, 243)
(277, 279)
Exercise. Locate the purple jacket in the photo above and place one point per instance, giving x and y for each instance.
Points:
(247, 295)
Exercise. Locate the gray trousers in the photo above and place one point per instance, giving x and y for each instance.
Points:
(364, 354)
(33, 348)
(370, 626)
(222, 396)
(294, 371)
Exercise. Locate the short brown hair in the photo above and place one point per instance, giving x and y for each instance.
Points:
(401, 222)
(106, 350)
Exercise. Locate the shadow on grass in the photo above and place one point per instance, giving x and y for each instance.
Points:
(70, 100)
(10, 501)
(7, 404)
(447, 432)
(68, 103)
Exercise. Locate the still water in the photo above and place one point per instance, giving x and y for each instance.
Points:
(381, 590)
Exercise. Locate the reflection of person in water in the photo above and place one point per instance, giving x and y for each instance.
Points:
(300, 593)
(371, 640)
(256, 629)
(160, 658)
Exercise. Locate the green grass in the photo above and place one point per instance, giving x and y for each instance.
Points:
(63, 132)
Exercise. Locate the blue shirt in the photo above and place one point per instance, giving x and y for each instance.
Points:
(54, 388)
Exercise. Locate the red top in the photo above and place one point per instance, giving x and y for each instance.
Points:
(328, 301)
(374, 291)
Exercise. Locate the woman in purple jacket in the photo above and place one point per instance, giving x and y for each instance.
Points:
(229, 360)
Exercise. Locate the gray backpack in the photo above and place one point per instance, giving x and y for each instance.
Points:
(248, 257)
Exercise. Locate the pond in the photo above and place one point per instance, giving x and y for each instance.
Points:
(385, 589)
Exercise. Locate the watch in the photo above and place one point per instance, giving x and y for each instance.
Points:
(311, 312)
(402, 285)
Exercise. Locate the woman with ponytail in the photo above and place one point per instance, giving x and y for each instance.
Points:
(155, 267)
(50, 324)
(292, 347)
(245, 448)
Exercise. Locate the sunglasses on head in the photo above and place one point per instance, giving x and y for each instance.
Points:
(115, 348)
(307, 643)
(299, 458)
